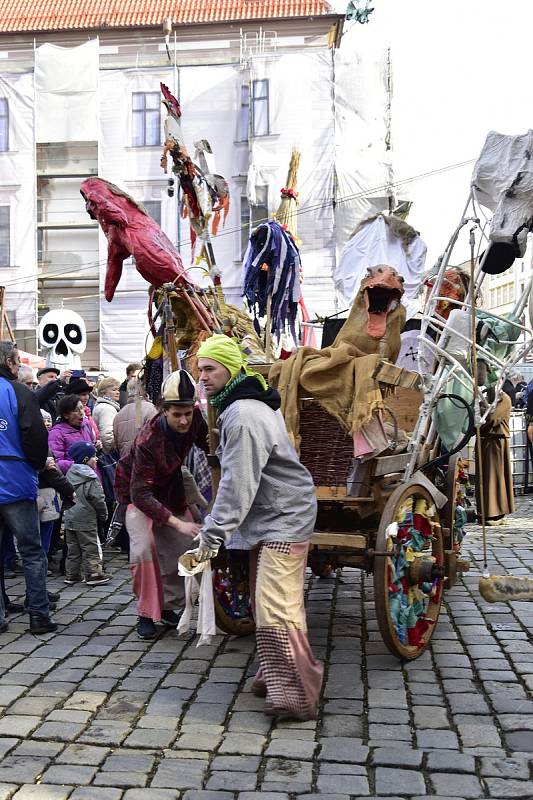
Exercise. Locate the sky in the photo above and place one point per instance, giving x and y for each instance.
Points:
(460, 69)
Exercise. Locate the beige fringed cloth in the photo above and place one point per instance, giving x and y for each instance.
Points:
(341, 378)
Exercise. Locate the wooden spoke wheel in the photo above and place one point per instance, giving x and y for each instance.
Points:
(231, 590)
(408, 584)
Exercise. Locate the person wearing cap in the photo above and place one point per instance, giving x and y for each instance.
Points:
(52, 385)
(84, 552)
(149, 481)
(83, 389)
(269, 496)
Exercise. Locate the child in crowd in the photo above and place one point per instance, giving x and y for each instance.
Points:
(54, 491)
(84, 552)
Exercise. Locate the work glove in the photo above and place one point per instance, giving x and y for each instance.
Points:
(205, 552)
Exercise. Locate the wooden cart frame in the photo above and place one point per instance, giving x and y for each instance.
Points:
(355, 531)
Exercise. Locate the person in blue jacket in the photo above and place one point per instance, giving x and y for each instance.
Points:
(23, 452)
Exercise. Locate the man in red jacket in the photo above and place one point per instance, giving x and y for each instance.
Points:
(159, 524)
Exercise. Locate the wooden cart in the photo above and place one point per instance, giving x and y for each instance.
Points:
(401, 532)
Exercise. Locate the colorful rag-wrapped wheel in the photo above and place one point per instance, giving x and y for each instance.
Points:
(408, 583)
(454, 514)
(231, 591)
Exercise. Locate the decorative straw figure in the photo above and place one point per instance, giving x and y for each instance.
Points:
(286, 214)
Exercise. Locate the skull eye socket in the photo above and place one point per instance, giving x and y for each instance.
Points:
(50, 333)
(73, 333)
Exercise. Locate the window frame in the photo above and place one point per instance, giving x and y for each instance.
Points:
(254, 102)
(6, 227)
(257, 213)
(4, 121)
(244, 120)
(142, 113)
(150, 203)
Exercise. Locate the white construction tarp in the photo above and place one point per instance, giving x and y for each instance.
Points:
(66, 92)
(372, 245)
(503, 182)
(17, 192)
(363, 167)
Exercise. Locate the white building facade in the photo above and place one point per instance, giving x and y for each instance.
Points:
(72, 106)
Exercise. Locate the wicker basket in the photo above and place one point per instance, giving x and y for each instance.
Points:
(326, 449)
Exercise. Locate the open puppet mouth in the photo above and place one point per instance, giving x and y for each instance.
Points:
(380, 300)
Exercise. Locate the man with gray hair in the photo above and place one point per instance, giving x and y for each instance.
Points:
(23, 452)
(25, 376)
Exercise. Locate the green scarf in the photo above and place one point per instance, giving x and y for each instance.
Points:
(219, 397)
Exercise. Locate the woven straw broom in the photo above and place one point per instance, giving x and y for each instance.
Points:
(286, 214)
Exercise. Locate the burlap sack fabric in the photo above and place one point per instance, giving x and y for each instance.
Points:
(340, 377)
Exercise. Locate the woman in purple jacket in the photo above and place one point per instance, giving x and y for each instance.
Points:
(73, 426)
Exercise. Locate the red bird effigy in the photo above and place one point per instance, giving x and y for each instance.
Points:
(131, 231)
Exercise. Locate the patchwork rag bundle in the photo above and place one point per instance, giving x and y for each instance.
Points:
(272, 269)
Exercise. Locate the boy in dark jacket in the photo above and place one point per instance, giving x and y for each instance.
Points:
(84, 552)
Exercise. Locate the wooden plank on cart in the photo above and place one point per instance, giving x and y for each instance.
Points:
(405, 405)
(339, 539)
(387, 464)
(339, 493)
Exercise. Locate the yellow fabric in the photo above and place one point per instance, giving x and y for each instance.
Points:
(228, 353)
(341, 377)
(279, 601)
(156, 350)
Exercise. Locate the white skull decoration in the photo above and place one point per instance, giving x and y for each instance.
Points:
(63, 335)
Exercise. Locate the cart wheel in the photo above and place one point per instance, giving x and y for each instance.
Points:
(455, 513)
(452, 485)
(408, 584)
(231, 591)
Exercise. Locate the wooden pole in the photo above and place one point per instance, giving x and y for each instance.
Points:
(170, 333)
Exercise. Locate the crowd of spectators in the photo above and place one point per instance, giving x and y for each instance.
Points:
(60, 440)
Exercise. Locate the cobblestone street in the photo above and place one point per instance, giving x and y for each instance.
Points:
(93, 713)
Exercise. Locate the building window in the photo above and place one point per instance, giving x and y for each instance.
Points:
(154, 209)
(253, 215)
(260, 111)
(4, 125)
(146, 119)
(5, 249)
(244, 114)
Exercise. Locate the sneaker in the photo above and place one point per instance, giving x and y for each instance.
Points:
(70, 580)
(146, 628)
(170, 618)
(97, 579)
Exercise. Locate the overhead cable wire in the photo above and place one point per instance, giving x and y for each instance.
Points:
(330, 202)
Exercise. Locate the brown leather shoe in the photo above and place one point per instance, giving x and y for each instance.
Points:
(259, 688)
